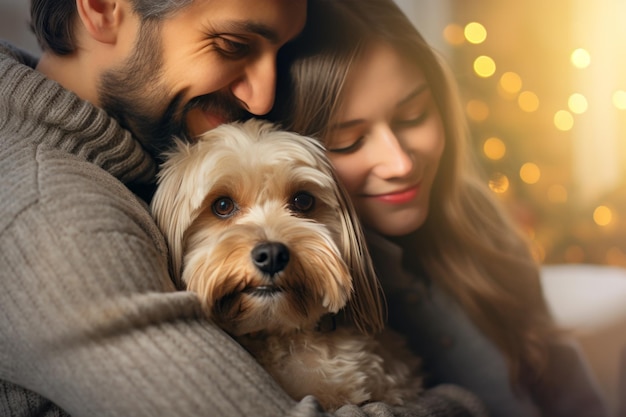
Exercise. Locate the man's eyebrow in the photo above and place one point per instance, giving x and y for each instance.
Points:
(249, 26)
(355, 122)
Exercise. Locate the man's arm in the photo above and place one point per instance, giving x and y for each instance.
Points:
(90, 318)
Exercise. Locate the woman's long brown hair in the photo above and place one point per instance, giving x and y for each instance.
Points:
(468, 244)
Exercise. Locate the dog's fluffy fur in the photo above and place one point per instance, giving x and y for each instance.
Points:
(258, 226)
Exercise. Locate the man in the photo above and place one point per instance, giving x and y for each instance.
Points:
(91, 323)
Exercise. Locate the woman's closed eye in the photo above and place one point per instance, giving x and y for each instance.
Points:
(411, 121)
(347, 147)
(414, 110)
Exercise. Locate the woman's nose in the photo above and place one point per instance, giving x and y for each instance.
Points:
(256, 87)
(393, 160)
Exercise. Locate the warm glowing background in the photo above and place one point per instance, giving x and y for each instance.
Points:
(544, 89)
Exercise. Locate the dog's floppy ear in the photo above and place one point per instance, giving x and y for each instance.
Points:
(171, 205)
(366, 307)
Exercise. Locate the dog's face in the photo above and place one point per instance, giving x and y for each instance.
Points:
(258, 227)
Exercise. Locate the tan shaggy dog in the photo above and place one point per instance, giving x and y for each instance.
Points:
(258, 226)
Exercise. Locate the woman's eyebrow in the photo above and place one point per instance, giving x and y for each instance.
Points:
(351, 123)
(347, 124)
(419, 90)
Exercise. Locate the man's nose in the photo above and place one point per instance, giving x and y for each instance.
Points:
(393, 159)
(256, 87)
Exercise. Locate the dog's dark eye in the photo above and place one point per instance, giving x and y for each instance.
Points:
(303, 202)
(224, 207)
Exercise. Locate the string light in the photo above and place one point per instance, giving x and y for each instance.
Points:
(577, 103)
(602, 215)
(557, 194)
(453, 34)
(580, 58)
(563, 120)
(619, 99)
(530, 173)
(494, 148)
(477, 110)
(510, 85)
(499, 183)
(484, 66)
(475, 33)
(528, 101)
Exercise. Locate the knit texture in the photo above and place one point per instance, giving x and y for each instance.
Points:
(90, 318)
(90, 322)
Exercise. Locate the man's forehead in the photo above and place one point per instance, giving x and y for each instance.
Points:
(275, 20)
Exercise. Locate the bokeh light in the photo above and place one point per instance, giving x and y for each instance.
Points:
(580, 58)
(577, 103)
(477, 110)
(484, 66)
(510, 84)
(574, 254)
(453, 34)
(494, 148)
(557, 194)
(602, 215)
(615, 256)
(619, 99)
(475, 33)
(499, 183)
(530, 173)
(528, 101)
(563, 120)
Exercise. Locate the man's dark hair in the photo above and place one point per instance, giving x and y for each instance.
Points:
(52, 21)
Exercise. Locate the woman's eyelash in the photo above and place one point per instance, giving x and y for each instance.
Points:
(354, 146)
(412, 122)
(398, 123)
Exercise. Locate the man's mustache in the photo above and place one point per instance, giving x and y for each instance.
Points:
(224, 104)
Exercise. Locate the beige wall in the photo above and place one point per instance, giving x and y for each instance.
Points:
(14, 15)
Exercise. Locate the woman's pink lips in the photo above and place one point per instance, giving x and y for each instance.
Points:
(400, 197)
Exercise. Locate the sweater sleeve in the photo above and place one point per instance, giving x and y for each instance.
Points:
(92, 325)
(90, 318)
(574, 391)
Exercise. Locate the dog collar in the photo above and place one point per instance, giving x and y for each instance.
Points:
(327, 324)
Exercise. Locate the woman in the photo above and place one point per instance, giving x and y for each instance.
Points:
(460, 281)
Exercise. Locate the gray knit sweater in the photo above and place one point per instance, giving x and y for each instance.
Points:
(90, 322)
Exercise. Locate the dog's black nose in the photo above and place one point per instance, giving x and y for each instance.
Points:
(270, 257)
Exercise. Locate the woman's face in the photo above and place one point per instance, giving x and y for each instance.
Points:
(387, 142)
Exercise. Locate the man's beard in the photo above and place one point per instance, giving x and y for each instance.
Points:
(138, 99)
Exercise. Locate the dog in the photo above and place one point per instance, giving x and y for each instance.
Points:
(258, 226)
